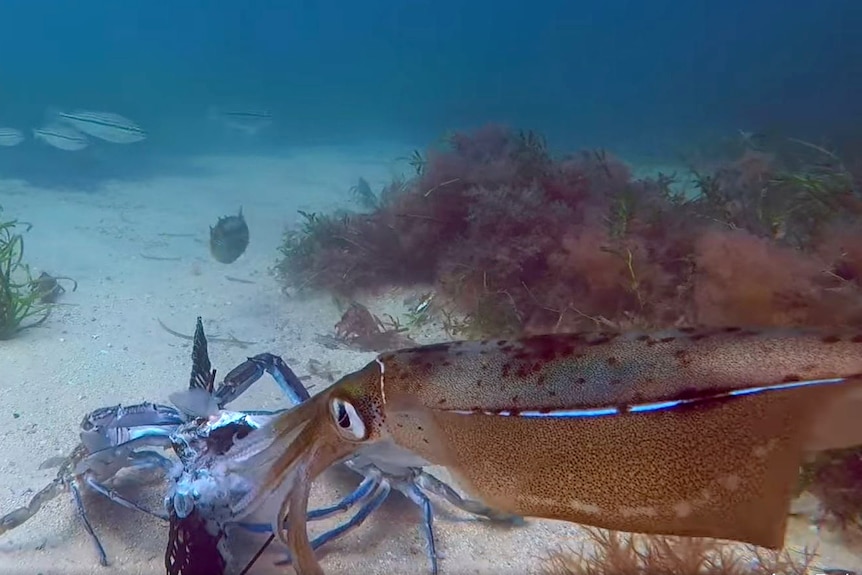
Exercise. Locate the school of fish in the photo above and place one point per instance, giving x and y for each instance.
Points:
(73, 131)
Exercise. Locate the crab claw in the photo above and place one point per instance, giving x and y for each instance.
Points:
(242, 376)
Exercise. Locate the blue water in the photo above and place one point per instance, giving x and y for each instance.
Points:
(635, 76)
(644, 79)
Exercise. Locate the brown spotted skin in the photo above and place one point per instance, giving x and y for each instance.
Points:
(565, 371)
(723, 468)
(725, 472)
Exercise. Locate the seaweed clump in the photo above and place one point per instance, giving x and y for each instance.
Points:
(21, 305)
(360, 329)
(614, 553)
(516, 241)
(835, 478)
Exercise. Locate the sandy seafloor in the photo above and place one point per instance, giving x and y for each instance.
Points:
(104, 346)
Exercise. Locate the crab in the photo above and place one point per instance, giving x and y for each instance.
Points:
(124, 437)
(48, 287)
(198, 430)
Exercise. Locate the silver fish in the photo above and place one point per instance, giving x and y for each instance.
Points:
(61, 136)
(106, 126)
(248, 121)
(10, 137)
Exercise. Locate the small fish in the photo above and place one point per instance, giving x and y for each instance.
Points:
(106, 126)
(249, 121)
(10, 137)
(61, 136)
(423, 303)
(229, 238)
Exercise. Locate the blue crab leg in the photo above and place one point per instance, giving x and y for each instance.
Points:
(375, 500)
(414, 494)
(240, 378)
(106, 491)
(82, 513)
(432, 484)
(368, 486)
(18, 516)
(370, 494)
(135, 460)
(152, 459)
(381, 493)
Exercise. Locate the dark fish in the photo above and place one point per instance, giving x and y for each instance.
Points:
(229, 238)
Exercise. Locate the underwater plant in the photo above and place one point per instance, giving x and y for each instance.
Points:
(342, 252)
(834, 477)
(19, 301)
(517, 241)
(614, 553)
(364, 195)
(778, 197)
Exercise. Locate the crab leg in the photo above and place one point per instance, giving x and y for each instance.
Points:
(240, 378)
(416, 496)
(106, 491)
(368, 485)
(375, 487)
(371, 501)
(18, 516)
(82, 513)
(429, 483)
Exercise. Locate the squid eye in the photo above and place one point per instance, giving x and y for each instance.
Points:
(347, 420)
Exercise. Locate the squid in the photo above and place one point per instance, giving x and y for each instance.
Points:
(690, 432)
